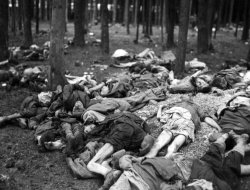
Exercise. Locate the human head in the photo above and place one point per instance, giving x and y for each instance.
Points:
(125, 162)
(92, 117)
(201, 84)
(88, 128)
(146, 144)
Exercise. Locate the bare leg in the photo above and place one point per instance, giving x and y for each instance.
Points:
(9, 117)
(244, 169)
(163, 139)
(95, 164)
(176, 144)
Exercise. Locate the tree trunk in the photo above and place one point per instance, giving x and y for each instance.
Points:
(136, 12)
(13, 16)
(79, 9)
(104, 27)
(245, 33)
(114, 11)
(69, 11)
(20, 15)
(170, 10)
(27, 8)
(121, 11)
(4, 4)
(42, 9)
(37, 16)
(137, 5)
(56, 57)
(248, 55)
(238, 13)
(148, 13)
(231, 12)
(202, 27)
(66, 16)
(48, 10)
(219, 16)
(182, 37)
(126, 16)
(162, 5)
(150, 17)
(210, 21)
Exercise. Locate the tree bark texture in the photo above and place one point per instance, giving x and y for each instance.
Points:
(27, 9)
(79, 9)
(202, 27)
(20, 15)
(104, 27)
(56, 58)
(182, 37)
(4, 29)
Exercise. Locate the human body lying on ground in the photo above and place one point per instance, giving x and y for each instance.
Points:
(197, 82)
(117, 131)
(217, 169)
(235, 115)
(35, 108)
(220, 169)
(179, 125)
(202, 81)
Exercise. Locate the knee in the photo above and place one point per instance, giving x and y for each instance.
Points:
(90, 165)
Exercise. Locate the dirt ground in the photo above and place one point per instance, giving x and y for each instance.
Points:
(19, 156)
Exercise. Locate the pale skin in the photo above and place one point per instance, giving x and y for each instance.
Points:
(166, 136)
(97, 164)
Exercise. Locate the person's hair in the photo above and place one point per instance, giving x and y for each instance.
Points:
(205, 89)
(146, 144)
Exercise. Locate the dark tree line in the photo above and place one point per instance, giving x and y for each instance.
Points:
(17, 16)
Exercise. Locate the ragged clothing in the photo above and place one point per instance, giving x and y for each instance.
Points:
(72, 93)
(109, 105)
(179, 121)
(223, 172)
(122, 130)
(225, 79)
(149, 174)
(236, 114)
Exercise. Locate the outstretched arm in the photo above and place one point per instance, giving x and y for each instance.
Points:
(212, 123)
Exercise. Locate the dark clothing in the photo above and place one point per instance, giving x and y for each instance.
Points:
(73, 93)
(155, 170)
(237, 119)
(122, 130)
(225, 79)
(197, 114)
(125, 136)
(222, 171)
